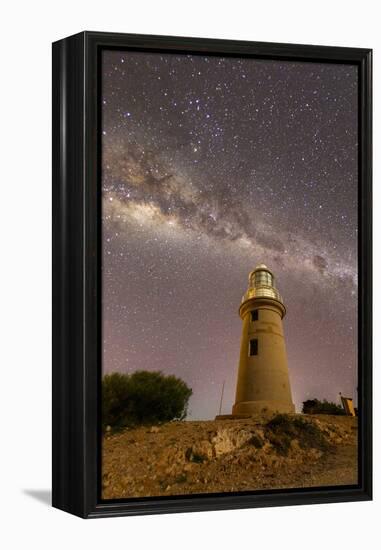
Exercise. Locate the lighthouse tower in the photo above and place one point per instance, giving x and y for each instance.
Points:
(263, 382)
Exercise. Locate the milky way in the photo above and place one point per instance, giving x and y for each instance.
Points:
(211, 166)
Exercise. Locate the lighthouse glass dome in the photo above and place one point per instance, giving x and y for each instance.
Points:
(261, 284)
(261, 278)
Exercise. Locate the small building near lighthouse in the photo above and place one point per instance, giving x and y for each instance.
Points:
(263, 383)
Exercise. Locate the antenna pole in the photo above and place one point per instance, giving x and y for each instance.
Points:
(222, 395)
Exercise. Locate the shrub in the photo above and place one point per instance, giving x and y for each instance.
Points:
(115, 391)
(282, 429)
(314, 406)
(256, 441)
(143, 398)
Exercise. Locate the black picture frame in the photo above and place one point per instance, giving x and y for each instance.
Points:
(77, 277)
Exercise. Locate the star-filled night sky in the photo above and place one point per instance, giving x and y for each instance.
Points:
(211, 166)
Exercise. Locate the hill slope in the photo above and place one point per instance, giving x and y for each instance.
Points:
(217, 456)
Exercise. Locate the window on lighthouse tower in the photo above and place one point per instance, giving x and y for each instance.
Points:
(253, 349)
(254, 315)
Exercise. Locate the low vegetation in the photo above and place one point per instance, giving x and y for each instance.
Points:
(283, 429)
(315, 406)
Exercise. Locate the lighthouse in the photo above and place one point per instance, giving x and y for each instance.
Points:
(263, 383)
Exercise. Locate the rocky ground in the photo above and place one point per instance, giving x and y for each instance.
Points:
(249, 454)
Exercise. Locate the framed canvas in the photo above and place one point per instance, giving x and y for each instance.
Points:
(211, 274)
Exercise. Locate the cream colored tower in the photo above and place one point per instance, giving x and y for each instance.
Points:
(263, 382)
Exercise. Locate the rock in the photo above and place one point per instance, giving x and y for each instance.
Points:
(229, 439)
(315, 454)
(154, 430)
(203, 450)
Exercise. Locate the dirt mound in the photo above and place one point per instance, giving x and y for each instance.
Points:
(249, 454)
